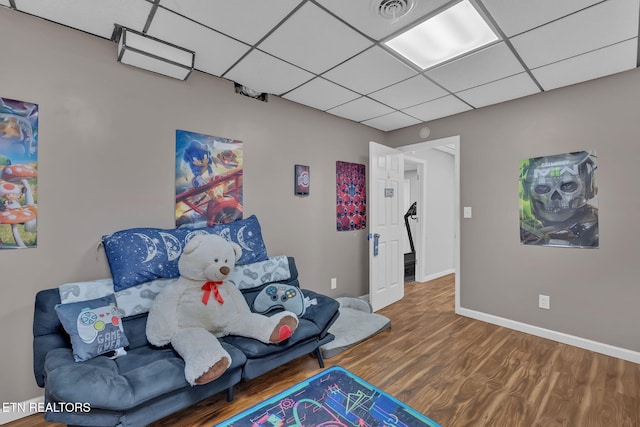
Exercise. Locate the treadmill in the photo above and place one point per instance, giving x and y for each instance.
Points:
(410, 257)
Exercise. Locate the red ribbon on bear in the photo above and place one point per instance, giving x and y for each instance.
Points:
(211, 286)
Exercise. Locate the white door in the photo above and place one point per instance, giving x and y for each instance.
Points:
(386, 257)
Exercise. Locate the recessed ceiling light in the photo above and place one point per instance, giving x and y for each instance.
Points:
(453, 32)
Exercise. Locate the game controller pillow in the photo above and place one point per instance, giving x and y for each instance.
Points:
(139, 255)
(94, 327)
(282, 296)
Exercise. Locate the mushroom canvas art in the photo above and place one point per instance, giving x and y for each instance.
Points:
(18, 174)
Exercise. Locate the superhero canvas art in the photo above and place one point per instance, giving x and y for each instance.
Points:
(209, 172)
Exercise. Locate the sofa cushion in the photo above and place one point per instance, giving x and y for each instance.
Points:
(322, 310)
(255, 349)
(123, 383)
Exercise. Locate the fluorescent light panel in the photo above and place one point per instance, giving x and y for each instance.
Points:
(453, 32)
(154, 55)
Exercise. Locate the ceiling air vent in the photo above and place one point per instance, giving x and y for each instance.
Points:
(392, 9)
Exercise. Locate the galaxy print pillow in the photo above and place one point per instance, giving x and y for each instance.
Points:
(139, 255)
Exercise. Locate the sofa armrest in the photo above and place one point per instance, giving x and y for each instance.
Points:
(48, 333)
(323, 313)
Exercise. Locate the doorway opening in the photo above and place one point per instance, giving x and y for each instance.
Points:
(386, 227)
(432, 182)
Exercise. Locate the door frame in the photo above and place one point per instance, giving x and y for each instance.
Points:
(454, 141)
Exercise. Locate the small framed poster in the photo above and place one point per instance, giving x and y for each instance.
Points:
(302, 180)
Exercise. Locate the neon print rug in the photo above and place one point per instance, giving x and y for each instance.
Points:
(332, 398)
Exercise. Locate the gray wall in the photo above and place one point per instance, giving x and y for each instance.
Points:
(106, 162)
(594, 292)
(438, 257)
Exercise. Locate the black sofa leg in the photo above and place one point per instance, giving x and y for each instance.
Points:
(318, 353)
(230, 394)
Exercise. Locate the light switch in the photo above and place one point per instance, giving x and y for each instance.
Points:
(467, 211)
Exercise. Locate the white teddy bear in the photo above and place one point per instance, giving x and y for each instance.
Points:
(201, 306)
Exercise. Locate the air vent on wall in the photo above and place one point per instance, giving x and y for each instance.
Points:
(247, 91)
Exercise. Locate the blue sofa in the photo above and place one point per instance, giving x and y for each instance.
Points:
(148, 382)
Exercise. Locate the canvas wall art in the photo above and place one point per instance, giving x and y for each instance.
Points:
(559, 200)
(209, 171)
(18, 174)
(302, 180)
(351, 196)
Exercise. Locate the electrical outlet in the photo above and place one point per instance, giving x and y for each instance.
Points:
(334, 283)
(544, 301)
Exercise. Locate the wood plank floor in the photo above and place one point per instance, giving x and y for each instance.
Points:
(458, 371)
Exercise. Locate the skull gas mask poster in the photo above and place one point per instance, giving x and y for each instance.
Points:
(558, 200)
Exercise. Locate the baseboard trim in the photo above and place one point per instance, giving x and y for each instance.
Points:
(598, 347)
(436, 275)
(12, 411)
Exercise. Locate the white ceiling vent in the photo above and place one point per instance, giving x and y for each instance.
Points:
(392, 9)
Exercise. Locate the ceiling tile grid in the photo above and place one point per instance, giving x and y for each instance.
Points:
(361, 14)
(438, 108)
(361, 109)
(501, 90)
(598, 63)
(321, 94)
(492, 63)
(275, 76)
(92, 16)
(314, 40)
(330, 54)
(391, 121)
(407, 93)
(517, 16)
(593, 28)
(246, 20)
(216, 53)
(369, 71)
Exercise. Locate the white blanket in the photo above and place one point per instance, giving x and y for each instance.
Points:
(138, 299)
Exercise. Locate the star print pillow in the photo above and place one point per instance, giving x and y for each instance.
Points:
(140, 255)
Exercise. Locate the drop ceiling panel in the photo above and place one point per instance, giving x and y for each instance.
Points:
(391, 121)
(517, 16)
(371, 70)
(415, 90)
(441, 107)
(321, 94)
(314, 40)
(328, 54)
(92, 16)
(361, 14)
(216, 53)
(499, 91)
(601, 25)
(490, 64)
(360, 109)
(246, 20)
(599, 63)
(275, 76)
